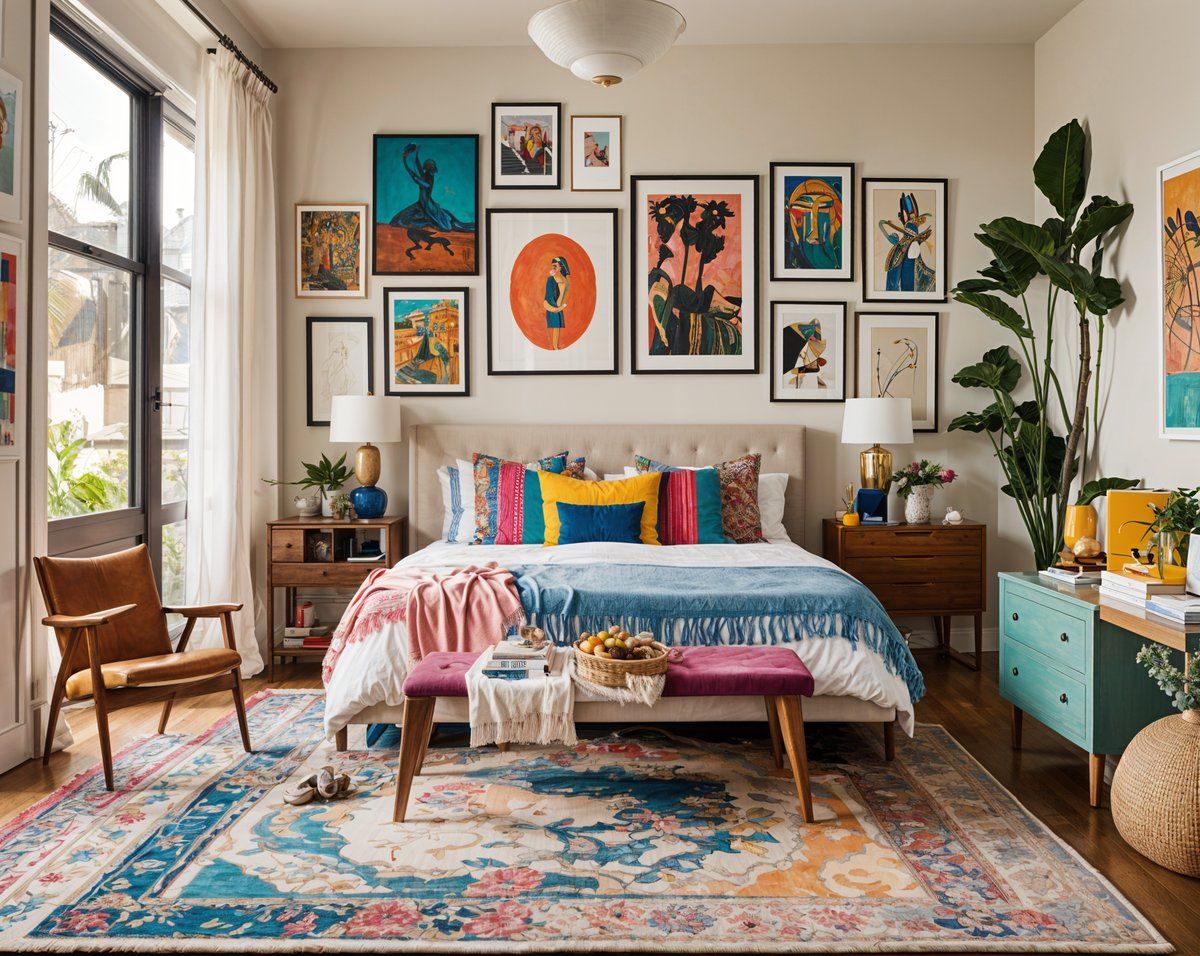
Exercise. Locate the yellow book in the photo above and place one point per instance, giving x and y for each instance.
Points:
(1122, 533)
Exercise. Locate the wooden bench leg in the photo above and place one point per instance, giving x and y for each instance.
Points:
(414, 738)
(776, 739)
(791, 724)
(341, 740)
(889, 740)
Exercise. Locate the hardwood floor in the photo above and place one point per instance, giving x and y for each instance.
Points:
(1049, 776)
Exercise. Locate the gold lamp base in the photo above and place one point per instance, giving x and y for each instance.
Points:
(875, 467)
(366, 464)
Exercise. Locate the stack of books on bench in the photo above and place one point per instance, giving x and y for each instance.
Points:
(1136, 589)
(307, 638)
(518, 659)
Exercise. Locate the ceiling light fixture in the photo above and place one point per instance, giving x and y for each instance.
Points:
(606, 41)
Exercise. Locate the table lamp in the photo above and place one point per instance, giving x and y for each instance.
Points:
(366, 419)
(872, 421)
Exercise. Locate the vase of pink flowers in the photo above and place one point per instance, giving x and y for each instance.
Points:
(916, 485)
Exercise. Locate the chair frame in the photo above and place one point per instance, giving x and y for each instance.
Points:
(79, 628)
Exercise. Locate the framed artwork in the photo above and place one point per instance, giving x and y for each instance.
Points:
(1179, 298)
(427, 333)
(898, 358)
(331, 253)
(812, 221)
(12, 307)
(597, 153)
(341, 361)
(904, 240)
(808, 351)
(525, 145)
(426, 203)
(694, 273)
(12, 119)
(552, 291)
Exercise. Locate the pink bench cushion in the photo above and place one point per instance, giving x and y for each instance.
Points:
(738, 672)
(440, 674)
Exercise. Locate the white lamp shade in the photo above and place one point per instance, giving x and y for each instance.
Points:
(606, 40)
(877, 421)
(357, 419)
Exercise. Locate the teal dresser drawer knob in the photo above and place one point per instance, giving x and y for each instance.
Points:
(1016, 616)
(1063, 637)
(1015, 672)
(1062, 698)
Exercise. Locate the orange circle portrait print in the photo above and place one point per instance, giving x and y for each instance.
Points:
(552, 291)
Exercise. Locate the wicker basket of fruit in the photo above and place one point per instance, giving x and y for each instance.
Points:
(606, 658)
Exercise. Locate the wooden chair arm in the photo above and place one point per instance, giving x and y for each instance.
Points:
(68, 621)
(203, 610)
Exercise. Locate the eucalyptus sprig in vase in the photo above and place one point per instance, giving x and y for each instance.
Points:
(916, 485)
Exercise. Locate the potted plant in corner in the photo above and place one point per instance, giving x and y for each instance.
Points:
(325, 476)
(1038, 462)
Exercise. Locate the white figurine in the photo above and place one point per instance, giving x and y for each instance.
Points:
(953, 516)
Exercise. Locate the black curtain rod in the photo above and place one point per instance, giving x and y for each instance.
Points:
(225, 41)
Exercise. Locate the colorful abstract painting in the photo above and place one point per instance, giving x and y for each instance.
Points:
(426, 204)
(596, 153)
(11, 251)
(695, 268)
(552, 291)
(812, 217)
(426, 341)
(808, 351)
(1179, 206)
(904, 231)
(330, 251)
(525, 145)
(12, 105)
(898, 358)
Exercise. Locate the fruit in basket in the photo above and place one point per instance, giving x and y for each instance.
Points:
(618, 654)
(602, 651)
(603, 636)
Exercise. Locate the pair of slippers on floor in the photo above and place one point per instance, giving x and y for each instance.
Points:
(325, 784)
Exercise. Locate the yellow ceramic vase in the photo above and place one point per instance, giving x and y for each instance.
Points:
(1081, 523)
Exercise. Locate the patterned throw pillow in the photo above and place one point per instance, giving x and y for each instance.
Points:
(689, 508)
(458, 502)
(741, 519)
(487, 488)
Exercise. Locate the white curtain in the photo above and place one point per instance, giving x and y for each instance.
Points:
(234, 419)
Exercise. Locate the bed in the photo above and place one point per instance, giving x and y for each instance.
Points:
(853, 683)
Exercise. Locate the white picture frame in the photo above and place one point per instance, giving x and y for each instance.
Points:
(320, 265)
(12, 344)
(597, 154)
(11, 149)
(1177, 256)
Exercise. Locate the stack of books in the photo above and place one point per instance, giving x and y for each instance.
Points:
(517, 659)
(1135, 589)
(1075, 578)
(1184, 608)
(306, 637)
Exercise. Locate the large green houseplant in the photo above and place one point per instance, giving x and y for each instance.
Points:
(1067, 251)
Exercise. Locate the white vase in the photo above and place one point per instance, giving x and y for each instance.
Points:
(916, 505)
(327, 503)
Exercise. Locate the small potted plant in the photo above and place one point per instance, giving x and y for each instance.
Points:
(326, 476)
(916, 484)
(1173, 525)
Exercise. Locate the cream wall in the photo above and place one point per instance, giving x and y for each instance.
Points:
(963, 112)
(1121, 76)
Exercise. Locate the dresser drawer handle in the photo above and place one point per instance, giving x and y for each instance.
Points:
(1016, 616)
(1063, 637)
(1062, 698)
(1016, 672)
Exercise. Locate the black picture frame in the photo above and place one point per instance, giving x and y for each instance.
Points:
(638, 288)
(493, 288)
(845, 352)
(868, 243)
(377, 209)
(849, 248)
(557, 152)
(310, 324)
(935, 321)
(464, 342)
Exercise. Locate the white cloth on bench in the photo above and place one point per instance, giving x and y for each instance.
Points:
(537, 710)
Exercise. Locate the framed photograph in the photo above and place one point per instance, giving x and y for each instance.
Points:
(12, 119)
(525, 145)
(427, 335)
(812, 221)
(898, 358)
(694, 274)
(12, 307)
(426, 203)
(1179, 299)
(808, 351)
(597, 153)
(552, 291)
(904, 240)
(331, 251)
(341, 361)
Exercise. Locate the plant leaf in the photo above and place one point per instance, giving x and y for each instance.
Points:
(980, 285)
(1022, 236)
(1016, 266)
(1068, 276)
(974, 422)
(1102, 486)
(998, 371)
(1105, 296)
(1100, 215)
(1058, 171)
(997, 310)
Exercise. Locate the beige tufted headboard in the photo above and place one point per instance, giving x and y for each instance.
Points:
(609, 448)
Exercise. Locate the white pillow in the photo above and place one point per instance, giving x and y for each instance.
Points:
(458, 502)
(771, 488)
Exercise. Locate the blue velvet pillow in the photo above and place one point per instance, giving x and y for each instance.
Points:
(579, 523)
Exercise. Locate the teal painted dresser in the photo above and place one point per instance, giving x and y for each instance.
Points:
(1062, 663)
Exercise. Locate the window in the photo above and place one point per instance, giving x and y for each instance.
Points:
(122, 179)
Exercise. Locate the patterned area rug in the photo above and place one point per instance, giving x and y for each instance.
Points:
(629, 843)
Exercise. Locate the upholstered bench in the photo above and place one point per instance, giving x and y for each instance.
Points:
(773, 673)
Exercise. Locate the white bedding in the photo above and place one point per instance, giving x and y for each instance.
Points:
(372, 671)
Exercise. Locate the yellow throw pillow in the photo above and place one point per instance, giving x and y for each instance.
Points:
(573, 491)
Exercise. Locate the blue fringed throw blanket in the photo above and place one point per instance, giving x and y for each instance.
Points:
(715, 605)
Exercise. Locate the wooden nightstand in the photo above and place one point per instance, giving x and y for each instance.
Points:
(918, 570)
(313, 552)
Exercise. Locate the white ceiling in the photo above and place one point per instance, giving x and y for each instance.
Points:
(399, 23)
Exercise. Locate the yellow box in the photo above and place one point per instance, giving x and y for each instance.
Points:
(1121, 533)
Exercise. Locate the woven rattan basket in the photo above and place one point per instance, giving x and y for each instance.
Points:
(610, 673)
(1156, 793)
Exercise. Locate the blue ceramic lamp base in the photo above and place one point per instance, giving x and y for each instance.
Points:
(369, 501)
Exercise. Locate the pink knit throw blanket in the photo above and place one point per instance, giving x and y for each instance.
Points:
(462, 609)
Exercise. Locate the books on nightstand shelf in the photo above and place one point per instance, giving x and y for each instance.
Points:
(306, 637)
